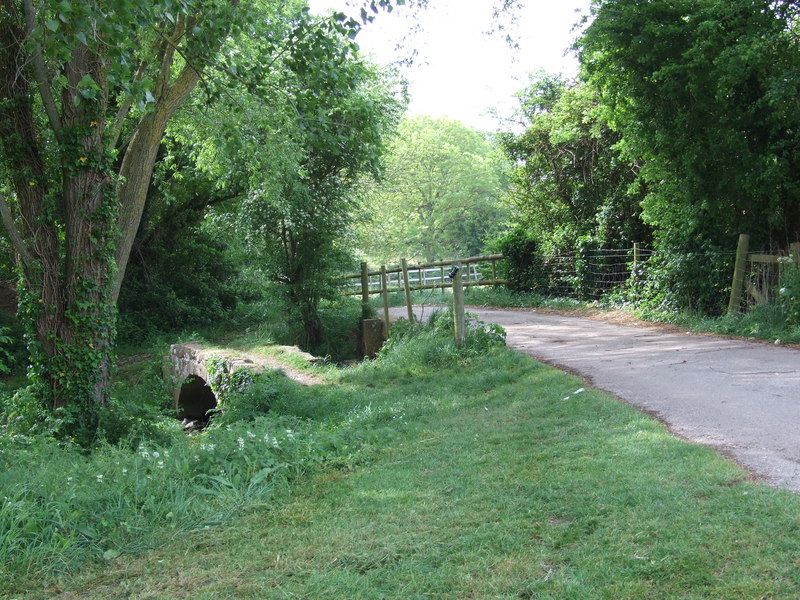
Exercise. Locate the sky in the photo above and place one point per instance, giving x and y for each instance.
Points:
(461, 71)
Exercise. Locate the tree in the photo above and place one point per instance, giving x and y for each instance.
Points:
(440, 196)
(82, 58)
(704, 94)
(301, 225)
(292, 164)
(86, 92)
(570, 184)
(183, 270)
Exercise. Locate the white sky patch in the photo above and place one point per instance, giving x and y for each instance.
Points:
(460, 71)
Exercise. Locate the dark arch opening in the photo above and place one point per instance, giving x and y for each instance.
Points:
(195, 400)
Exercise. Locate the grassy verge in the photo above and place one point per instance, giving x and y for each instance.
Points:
(767, 322)
(478, 474)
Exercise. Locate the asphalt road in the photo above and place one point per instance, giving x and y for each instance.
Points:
(742, 398)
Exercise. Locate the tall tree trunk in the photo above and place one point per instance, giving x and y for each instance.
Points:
(66, 232)
(68, 273)
(138, 164)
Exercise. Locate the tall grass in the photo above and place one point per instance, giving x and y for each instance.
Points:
(62, 508)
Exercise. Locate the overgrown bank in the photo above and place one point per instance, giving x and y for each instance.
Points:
(429, 472)
(63, 507)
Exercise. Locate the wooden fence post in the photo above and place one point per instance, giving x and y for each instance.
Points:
(364, 291)
(385, 294)
(458, 306)
(636, 259)
(494, 272)
(738, 273)
(407, 285)
(794, 252)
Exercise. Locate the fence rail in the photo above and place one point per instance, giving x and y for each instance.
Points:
(584, 275)
(425, 276)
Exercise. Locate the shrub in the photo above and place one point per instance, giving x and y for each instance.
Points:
(790, 293)
(524, 267)
(188, 281)
(433, 343)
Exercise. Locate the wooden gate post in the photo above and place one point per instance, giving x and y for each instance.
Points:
(794, 252)
(364, 291)
(385, 294)
(739, 269)
(458, 306)
(407, 285)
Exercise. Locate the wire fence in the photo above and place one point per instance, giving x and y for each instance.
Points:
(584, 275)
(587, 275)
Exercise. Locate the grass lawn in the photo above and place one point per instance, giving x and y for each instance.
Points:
(487, 476)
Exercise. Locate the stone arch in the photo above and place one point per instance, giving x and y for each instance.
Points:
(194, 399)
(187, 370)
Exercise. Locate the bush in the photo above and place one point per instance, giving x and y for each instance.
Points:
(790, 293)
(433, 343)
(524, 267)
(694, 278)
(189, 281)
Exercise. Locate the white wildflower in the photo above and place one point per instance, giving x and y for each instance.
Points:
(156, 454)
(579, 391)
(124, 470)
(99, 478)
(240, 441)
(289, 434)
(161, 464)
(251, 435)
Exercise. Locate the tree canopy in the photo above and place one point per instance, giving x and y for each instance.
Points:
(441, 195)
(570, 184)
(704, 94)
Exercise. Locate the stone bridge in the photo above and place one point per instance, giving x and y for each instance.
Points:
(189, 369)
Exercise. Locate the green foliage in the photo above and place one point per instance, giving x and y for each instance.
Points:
(7, 344)
(257, 398)
(225, 383)
(293, 177)
(790, 293)
(184, 269)
(523, 267)
(340, 319)
(570, 187)
(440, 195)
(23, 414)
(433, 342)
(700, 92)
